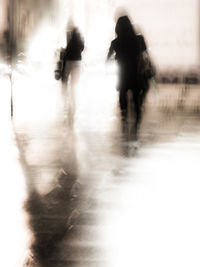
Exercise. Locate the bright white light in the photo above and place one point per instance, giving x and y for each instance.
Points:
(43, 44)
(156, 222)
(13, 231)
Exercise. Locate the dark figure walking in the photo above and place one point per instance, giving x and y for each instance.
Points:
(70, 59)
(69, 62)
(72, 56)
(128, 48)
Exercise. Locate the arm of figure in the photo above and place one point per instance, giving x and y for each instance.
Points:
(110, 51)
(143, 47)
(81, 44)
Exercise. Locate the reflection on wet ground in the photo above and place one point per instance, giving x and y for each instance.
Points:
(96, 197)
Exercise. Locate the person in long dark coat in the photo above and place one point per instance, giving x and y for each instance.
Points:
(128, 47)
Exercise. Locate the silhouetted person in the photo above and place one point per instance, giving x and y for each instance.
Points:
(72, 55)
(128, 47)
(71, 72)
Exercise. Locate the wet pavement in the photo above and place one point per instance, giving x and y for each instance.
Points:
(90, 195)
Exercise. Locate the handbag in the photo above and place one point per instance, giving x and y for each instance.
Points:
(145, 67)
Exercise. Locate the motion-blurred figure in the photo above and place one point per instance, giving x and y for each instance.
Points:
(71, 72)
(72, 57)
(128, 48)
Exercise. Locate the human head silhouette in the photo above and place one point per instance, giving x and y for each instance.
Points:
(124, 27)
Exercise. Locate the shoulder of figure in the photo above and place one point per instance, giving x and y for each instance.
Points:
(114, 41)
(113, 44)
(140, 37)
(141, 41)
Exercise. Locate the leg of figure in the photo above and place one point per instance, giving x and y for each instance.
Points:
(123, 101)
(66, 72)
(138, 111)
(65, 85)
(75, 73)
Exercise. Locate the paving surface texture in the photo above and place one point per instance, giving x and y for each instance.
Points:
(92, 196)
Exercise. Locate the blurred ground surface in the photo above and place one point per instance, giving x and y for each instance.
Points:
(80, 192)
